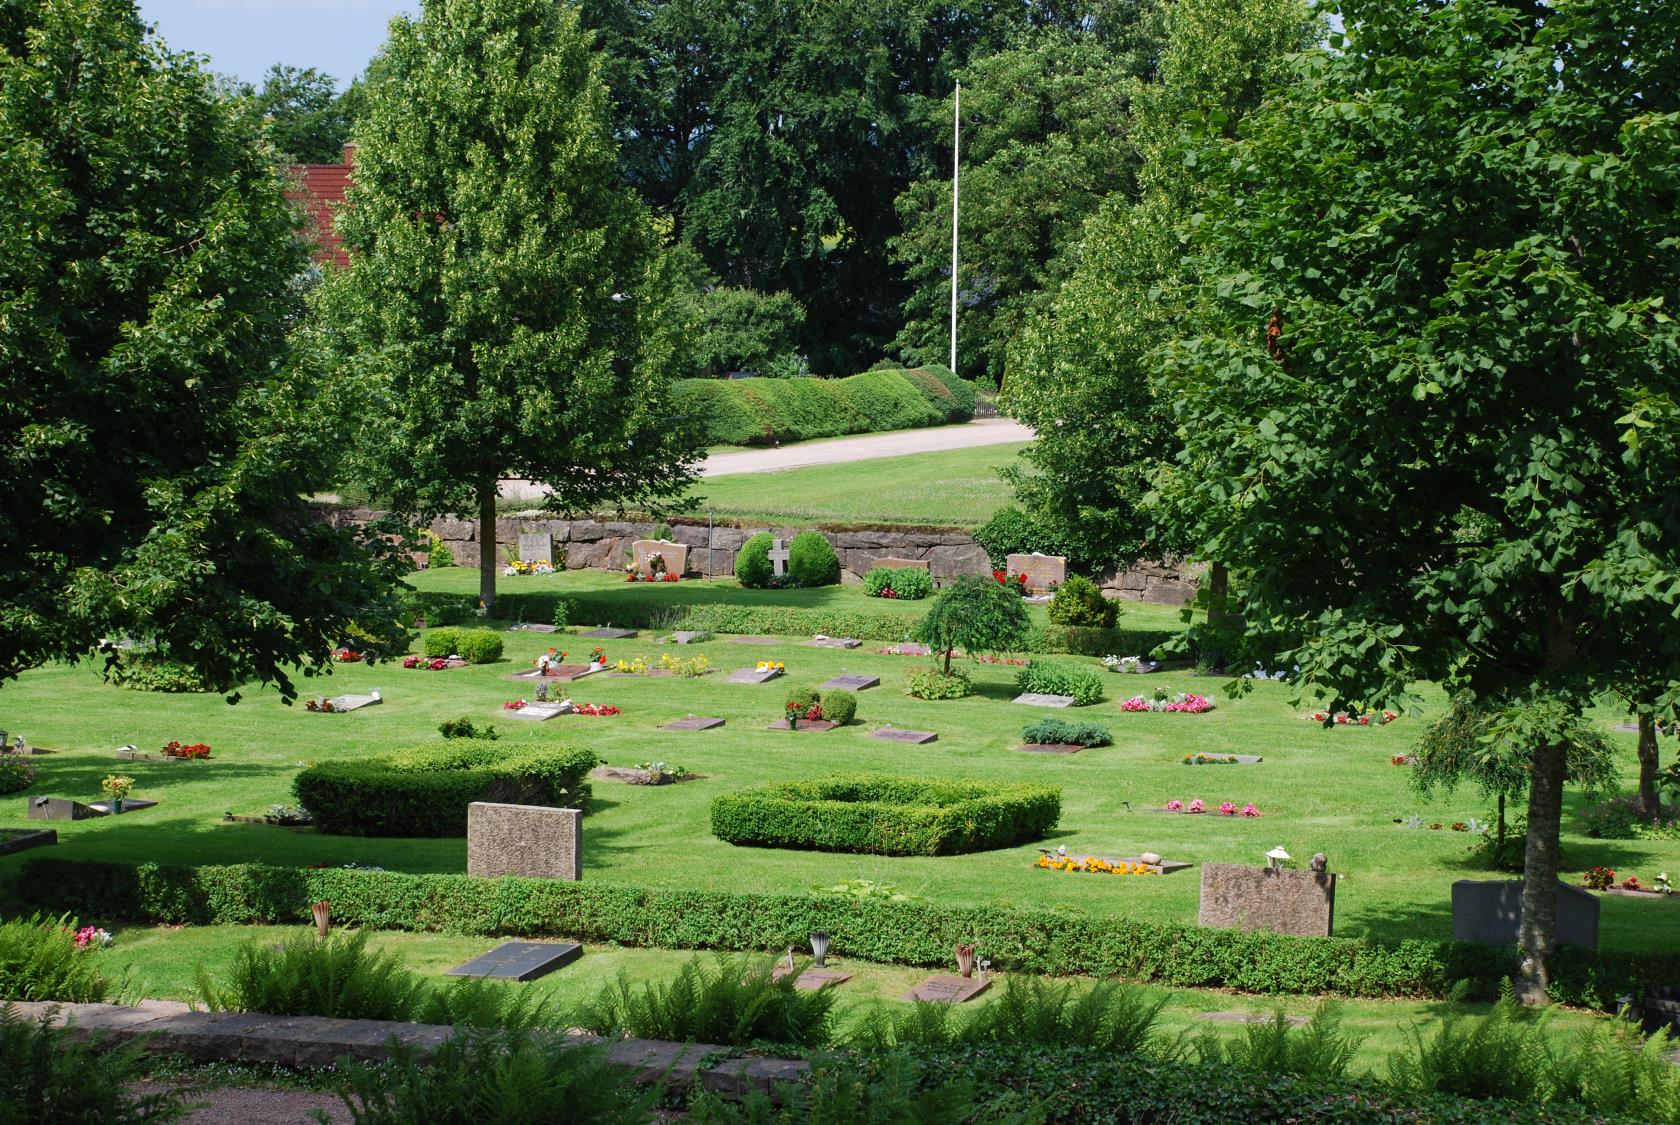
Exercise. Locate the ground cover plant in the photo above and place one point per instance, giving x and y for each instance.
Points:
(1055, 677)
(905, 582)
(1052, 730)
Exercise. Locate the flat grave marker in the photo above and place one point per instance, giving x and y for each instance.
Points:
(813, 978)
(632, 775)
(21, 840)
(820, 641)
(944, 988)
(851, 683)
(1251, 1017)
(557, 673)
(752, 676)
(610, 634)
(536, 546)
(907, 649)
(538, 628)
(692, 723)
(130, 804)
(354, 702)
(519, 960)
(686, 637)
(1040, 699)
(1161, 866)
(1050, 747)
(908, 737)
(538, 712)
(815, 726)
(1238, 759)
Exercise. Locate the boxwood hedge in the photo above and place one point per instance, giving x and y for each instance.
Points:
(773, 411)
(425, 790)
(886, 815)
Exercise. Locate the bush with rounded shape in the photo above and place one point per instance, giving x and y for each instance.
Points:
(1010, 531)
(931, 683)
(752, 565)
(812, 561)
(1080, 602)
(150, 671)
(1052, 677)
(839, 706)
(907, 583)
(16, 774)
(479, 646)
(440, 642)
(440, 556)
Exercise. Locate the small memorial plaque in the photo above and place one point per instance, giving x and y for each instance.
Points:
(130, 804)
(907, 649)
(747, 640)
(353, 702)
(686, 637)
(851, 683)
(911, 737)
(539, 628)
(1050, 747)
(557, 673)
(693, 722)
(820, 641)
(815, 726)
(1252, 1017)
(944, 988)
(813, 978)
(608, 634)
(752, 676)
(536, 546)
(519, 960)
(538, 712)
(1039, 699)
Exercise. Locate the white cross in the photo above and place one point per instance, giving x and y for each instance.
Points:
(778, 556)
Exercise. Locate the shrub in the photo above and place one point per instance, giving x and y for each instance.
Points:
(844, 1091)
(931, 683)
(886, 815)
(734, 1002)
(1317, 1049)
(1613, 1068)
(51, 1074)
(975, 614)
(811, 560)
(17, 773)
(1079, 601)
(1049, 677)
(39, 960)
(441, 642)
(770, 411)
(464, 728)
(1010, 531)
(148, 671)
(1114, 1017)
(440, 555)
(807, 698)
(839, 706)
(437, 608)
(306, 976)
(752, 565)
(1499, 1055)
(475, 646)
(1049, 730)
(425, 791)
(906, 583)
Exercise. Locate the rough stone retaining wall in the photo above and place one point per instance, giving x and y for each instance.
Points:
(603, 544)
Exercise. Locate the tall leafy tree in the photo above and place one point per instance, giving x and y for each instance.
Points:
(497, 299)
(1436, 423)
(155, 433)
(305, 117)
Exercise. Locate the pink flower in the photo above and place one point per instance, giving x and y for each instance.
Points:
(1135, 703)
(1195, 806)
(1227, 809)
(1175, 806)
(1250, 810)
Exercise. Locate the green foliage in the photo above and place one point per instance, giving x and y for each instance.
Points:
(425, 791)
(886, 815)
(1049, 677)
(17, 773)
(147, 671)
(932, 683)
(475, 646)
(776, 411)
(842, 1091)
(1079, 601)
(976, 614)
(495, 1079)
(1494, 747)
(302, 114)
(1317, 1049)
(1499, 1055)
(1616, 1069)
(907, 583)
(51, 1074)
(308, 976)
(436, 609)
(870, 928)
(733, 1002)
(1011, 531)
(839, 706)
(40, 961)
(812, 561)
(440, 556)
(1050, 730)
(805, 697)
(464, 728)
(753, 567)
(159, 431)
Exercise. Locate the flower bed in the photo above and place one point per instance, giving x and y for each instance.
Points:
(1352, 718)
(192, 752)
(1210, 760)
(432, 664)
(1184, 703)
(1226, 808)
(1094, 865)
(519, 567)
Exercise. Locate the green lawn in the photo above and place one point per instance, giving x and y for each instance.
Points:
(958, 487)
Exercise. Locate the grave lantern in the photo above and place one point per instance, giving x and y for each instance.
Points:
(819, 947)
(1276, 858)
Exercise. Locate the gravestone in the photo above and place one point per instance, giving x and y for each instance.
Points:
(812, 726)
(890, 563)
(130, 804)
(1039, 699)
(353, 702)
(686, 637)
(519, 960)
(1237, 897)
(778, 558)
(1251, 1017)
(536, 546)
(674, 556)
(539, 712)
(820, 641)
(606, 634)
(692, 723)
(752, 676)
(908, 737)
(557, 673)
(21, 840)
(530, 840)
(538, 628)
(813, 978)
(907, 649)
(1160, 866)
(1040, 570)
(59, 808)
(1491, 912)
(851, 683)
(944, 988)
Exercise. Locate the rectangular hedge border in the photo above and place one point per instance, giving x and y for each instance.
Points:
(902, 933)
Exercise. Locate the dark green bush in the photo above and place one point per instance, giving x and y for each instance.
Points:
(437, 608)
(1079, 601)
(858, 1091)
(1048, 730)
(839, 706)
(933, 683)
(1317, 1049)
(1116, 1017)
(440, 642)
(148, 671)
(1010, 531)
(465, 728)
(39, 961)
(1050, 677)
(772, 411)
(812, 561)
(886, 815)
(907, 583)
(50, 1074)
(475, 646)
(733, 1002)
(17, 773)
(752, 565)
(425, 791)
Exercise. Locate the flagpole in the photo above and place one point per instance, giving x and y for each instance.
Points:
(956, 141)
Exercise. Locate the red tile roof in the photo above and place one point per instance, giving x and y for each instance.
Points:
(319, 188)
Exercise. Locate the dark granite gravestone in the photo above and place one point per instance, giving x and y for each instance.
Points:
(22, 839)
(1491, 912)
(538, 712)
(692, 723)
(832, 642)
(606, 634)
(130, 804)
(814, 726)
(1237, 897)
(908, 737)
(59, 808)
(1659, 1009)
(519, 960)
(851, 683)
(752, 676)
(944, 988)
(1050, 747)
(1040, 699)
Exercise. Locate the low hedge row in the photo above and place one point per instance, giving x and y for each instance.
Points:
(425, 791)
(475, 646)
(884, 815)
(905, 582)
(773, 411)
(1049, 677)
(902, 933)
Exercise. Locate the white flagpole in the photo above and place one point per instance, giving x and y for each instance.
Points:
(956, 141)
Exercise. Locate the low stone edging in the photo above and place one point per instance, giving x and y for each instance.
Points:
(170, 1026)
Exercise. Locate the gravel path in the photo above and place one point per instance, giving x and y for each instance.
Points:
(255, 1105)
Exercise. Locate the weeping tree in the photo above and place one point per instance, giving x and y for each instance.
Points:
(976, 614)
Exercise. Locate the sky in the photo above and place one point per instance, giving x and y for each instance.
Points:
(243, 38)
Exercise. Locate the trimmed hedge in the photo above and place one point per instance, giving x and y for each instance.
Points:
(475, 646)
(753, 568)
(773, 411)
(907, 583)
(425, 790)
(1050, 730)
(903, 933)
(811, 560)
(885, 815)
(1051, 677)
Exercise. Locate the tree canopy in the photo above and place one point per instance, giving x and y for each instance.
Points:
(976, 614)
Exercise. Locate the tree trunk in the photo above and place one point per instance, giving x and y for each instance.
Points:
(1650, 806)
(1540, 872)
(1219, 593)
(1499, 849)
(947, 662)
(487, 543)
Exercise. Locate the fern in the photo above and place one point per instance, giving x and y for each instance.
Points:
(310, 976)
(1502, 1054)
(47, 1075)
(1318, 1049)
(39, 961)
(735, 1001)
(1616, 1069)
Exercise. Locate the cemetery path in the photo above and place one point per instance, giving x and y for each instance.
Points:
(868, 447)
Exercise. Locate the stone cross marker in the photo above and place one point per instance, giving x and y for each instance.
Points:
(536, 546)
(778, 557)
(531, 840)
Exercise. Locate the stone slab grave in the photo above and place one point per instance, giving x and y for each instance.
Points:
(692, 723)
(1039, 699)
(538, 712)
(946, 988)
(673, 555)
(353, 702)
(1141, 668)
(752, 676)
(1040, 570)
(59, 808)
(630, 775)
(908, 737)
(14, 840)
(820, 641)
(1238, 897)
(812, 979)
(519, 960)
(907, 649)
(747, 640)
(130, 804)
(851, 683)
(610, 634)
(1239, 759)
(815, 726)
(537, 628)
(1489, 912)
(1161, 866)
(1050, 747)
(536, 546)
(683, 637)
(891, 563)
(557, 673)
(530, 840)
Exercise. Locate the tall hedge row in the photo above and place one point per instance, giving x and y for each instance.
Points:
(903, 933)
(772, 411)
